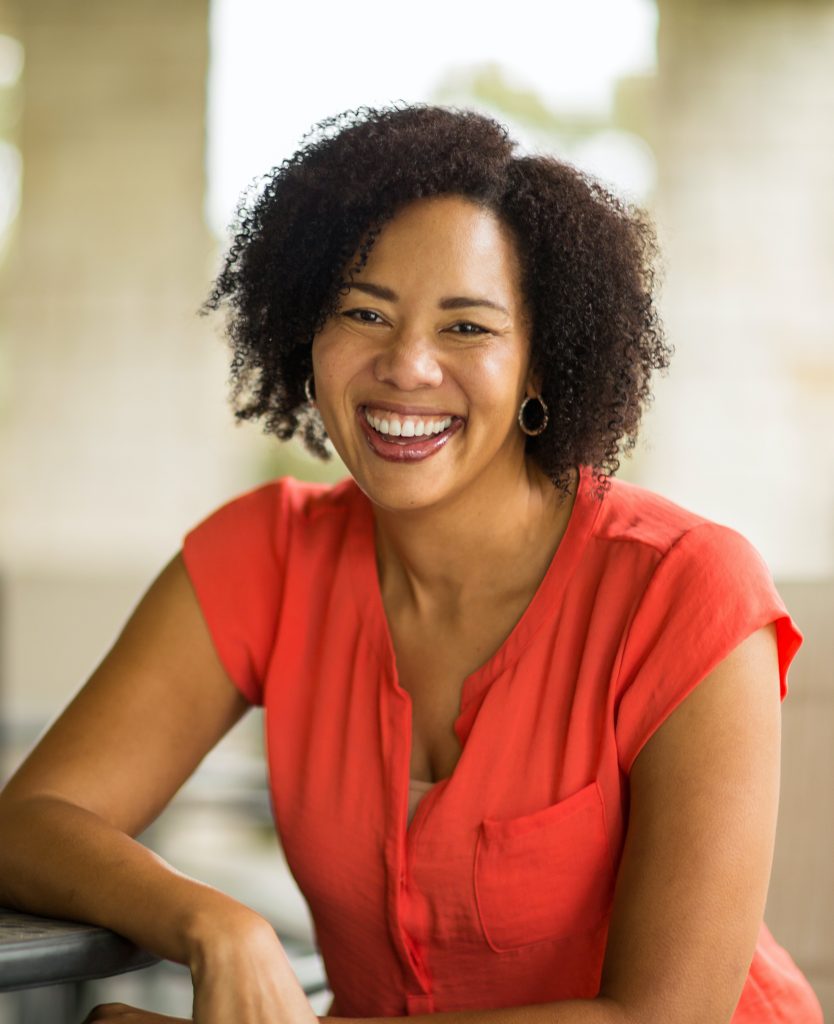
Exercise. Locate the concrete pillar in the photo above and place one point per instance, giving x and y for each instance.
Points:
(115, 435)
(741, 429)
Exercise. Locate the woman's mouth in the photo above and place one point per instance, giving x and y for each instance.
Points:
(405, 438)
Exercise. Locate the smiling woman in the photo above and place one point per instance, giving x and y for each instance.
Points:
(573, 272)
(522, 718)
(411, 368)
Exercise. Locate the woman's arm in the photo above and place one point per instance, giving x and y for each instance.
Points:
(692, 883)
(159, 701)
(155, 706)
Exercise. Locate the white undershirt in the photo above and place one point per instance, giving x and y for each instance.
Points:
(417, 789)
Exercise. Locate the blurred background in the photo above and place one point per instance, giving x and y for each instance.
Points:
(127, 133)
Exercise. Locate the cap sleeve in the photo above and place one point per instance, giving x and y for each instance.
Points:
(235, 560)
(711, 590)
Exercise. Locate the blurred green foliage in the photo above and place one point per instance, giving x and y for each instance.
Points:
(488, 86)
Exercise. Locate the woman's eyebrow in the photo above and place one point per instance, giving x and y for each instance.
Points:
(454, 302)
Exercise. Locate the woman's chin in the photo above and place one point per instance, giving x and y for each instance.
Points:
(403, 495)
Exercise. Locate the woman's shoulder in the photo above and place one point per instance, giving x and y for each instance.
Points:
(667, 558)
(636, 515)
(264, 521)
(644, 543)
(285, 498)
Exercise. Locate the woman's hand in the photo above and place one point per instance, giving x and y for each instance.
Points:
(241, 973)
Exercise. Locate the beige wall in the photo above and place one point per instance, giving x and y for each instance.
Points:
(742, 429)
(800, 906)
(115, 435)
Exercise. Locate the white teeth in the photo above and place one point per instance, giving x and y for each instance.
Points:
(408, 427)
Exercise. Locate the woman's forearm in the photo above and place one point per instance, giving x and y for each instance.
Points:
(60, 860)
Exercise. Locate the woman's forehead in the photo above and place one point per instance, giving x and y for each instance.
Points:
(448, 242)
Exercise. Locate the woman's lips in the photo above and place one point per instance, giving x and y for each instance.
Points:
(405, 449)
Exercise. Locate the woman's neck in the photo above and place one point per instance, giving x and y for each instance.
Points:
(441, 559)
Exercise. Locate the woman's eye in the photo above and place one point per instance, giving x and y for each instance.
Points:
(360, 315)
(369, 316)
(466, 323)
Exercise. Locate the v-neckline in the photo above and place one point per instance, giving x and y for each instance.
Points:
(549, 592)
(548, 595)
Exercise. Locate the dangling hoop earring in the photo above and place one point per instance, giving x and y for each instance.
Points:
(543, 415)
(308, 390)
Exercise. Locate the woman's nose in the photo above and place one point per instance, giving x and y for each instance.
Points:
(409, 362)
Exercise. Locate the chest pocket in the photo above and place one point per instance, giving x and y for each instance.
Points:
(545, 875)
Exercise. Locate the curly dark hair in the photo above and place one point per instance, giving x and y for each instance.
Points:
(587, 262)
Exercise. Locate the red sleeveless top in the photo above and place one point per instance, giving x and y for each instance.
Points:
(499, 891)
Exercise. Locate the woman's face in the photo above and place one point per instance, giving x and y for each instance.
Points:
(420, 373)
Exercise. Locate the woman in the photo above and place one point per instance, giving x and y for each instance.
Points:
(571, 683)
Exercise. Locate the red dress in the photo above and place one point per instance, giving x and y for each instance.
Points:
(499, 891)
